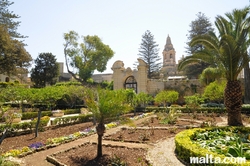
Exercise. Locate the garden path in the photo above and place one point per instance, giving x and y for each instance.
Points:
(159, 154)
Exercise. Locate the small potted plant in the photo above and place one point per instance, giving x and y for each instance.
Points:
(57, 113)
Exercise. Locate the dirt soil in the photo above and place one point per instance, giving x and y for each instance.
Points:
(18, 142)
(87, 155)
(137, 135)
(111, 155)
(183, 121)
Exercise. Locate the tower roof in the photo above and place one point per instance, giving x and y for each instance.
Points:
(168, 45)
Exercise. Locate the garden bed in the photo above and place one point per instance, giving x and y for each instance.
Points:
(21, 141)
(182, 121)
(86, 155)
(143, 135)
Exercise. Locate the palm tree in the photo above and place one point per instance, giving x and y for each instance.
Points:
(105, 104)
(229, 52)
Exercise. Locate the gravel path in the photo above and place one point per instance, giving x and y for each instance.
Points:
(162, 154)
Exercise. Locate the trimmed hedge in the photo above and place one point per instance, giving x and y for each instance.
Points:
(72, 119)
(245, 109)
(187, 110)
(72, 111)
(186, 148)
(32, 115)
(25, 126)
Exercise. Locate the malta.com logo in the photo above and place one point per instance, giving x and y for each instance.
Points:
(209, 159)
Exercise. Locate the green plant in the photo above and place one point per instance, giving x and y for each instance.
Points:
(237, 150)
(169, 118)
(116, 161)
(5, 162)
(172, 130)
(144, 136)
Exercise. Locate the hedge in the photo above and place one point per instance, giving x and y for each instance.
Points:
(244, 109)
(26, 127)
(186, 148)
(186, 110)
(32, 115)
(72, 119)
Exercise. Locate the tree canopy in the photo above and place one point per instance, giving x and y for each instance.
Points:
(201, 25)
(165, 96)
(86, 57)
(149, 52)
(229, 52)
(45, 71)
(14, 58)
(8, 19)
(214, 92)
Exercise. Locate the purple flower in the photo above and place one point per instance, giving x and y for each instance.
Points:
(87, 130)
(36, 145)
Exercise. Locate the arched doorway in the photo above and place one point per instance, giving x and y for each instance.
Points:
(130, 83)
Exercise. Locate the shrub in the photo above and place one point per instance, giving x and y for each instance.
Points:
(186, 148)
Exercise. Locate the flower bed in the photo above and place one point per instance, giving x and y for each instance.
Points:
(52, 142)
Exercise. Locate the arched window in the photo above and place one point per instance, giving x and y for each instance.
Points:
(7, 79)
(130, 83)
(171, 56)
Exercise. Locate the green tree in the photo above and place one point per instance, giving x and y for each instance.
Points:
(105, 104)
(193, 102)
(12, 95)
(143, 99)
(14, 58)
(73, 94)
(45, 71)
(85, 57)
(230, 50)
(165, 97)
(149, 52)
(215, 91)
(46, 98)
(210, 74)
(201, 25)
(8, 18)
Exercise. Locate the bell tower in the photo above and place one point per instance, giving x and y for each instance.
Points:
(169, 67)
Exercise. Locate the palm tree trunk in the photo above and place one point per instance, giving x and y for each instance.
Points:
(247, 83)
(100, 129)
(233, 102)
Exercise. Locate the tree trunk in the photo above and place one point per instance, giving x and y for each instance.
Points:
(100, 129)
(38, 121)
(246, 84)
(233, 102)
(4, 134)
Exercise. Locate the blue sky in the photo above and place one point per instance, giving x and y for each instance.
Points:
(119, 23)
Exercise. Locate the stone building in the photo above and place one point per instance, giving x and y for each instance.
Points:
(170, 78)
(125, 78)
(169, 67)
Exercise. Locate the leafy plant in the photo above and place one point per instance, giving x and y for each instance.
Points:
(116, 161)
(144, 136)
(170, 118)
(230, 141)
